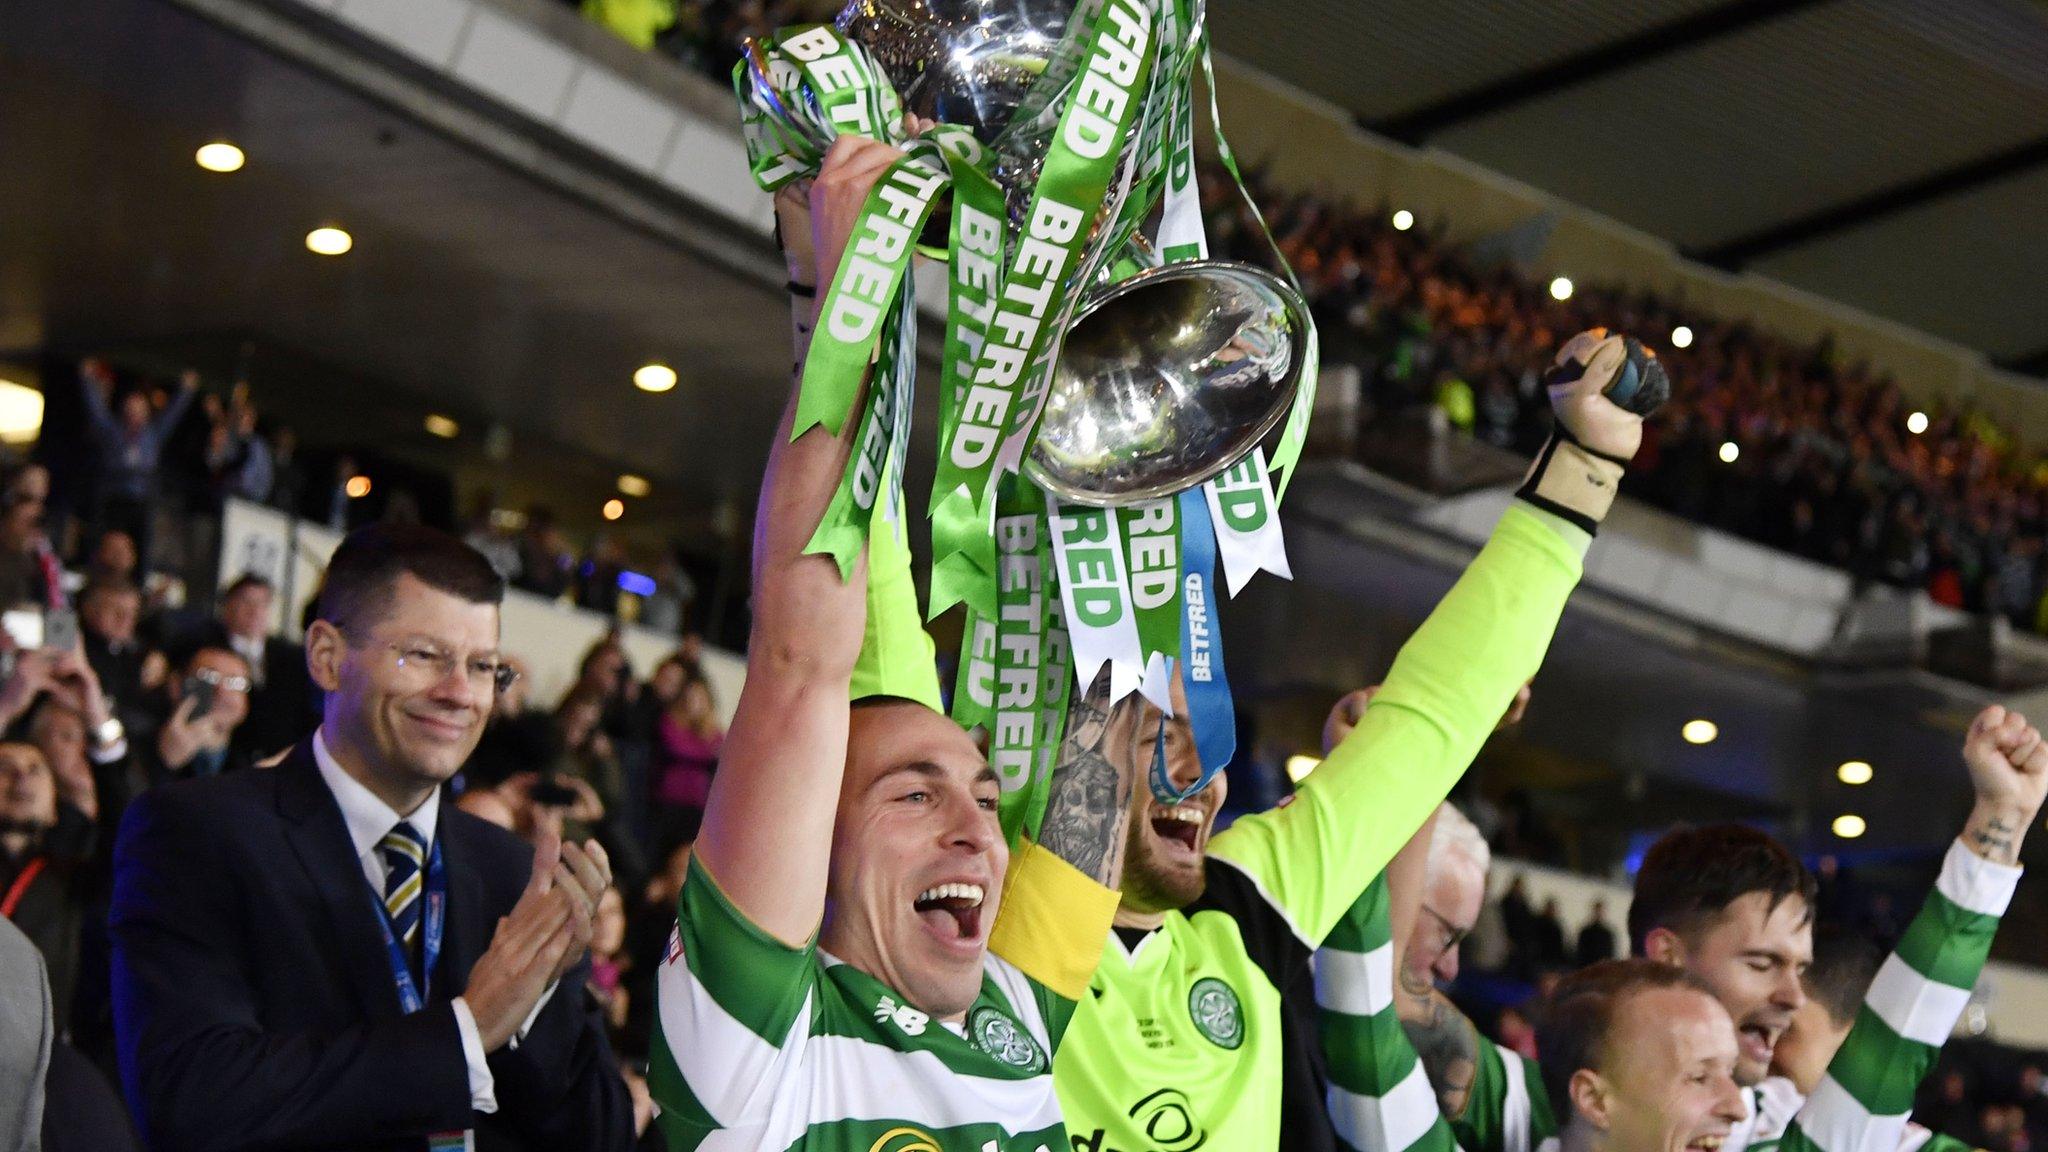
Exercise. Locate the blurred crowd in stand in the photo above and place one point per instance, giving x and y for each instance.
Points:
(1791, 445)
(122, 668)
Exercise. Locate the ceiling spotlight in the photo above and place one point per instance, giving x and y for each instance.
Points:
(1561, 288)
(21, 413)
(1854, 772)
(655, 378)
(1916, 423)
(1404, 220)
(1681, 337)
(442, 426)
(357, 487)
(636, 486)
(1729, 451)
(1849, 826)
(220, 156)
(1700, 731)
(614, 508)
(329, 241)
(1298, 767)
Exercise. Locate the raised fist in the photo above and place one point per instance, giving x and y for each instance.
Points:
(2008, 761)
(1601, 385)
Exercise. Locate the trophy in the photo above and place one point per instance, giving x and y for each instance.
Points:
(1105, 388)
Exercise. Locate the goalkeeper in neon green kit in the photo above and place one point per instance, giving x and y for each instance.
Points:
(1178, 1044)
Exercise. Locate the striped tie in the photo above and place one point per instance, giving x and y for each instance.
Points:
(405, 854)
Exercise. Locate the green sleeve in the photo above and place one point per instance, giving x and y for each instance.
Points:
(896, 651)
(1507, 1109)
(1443, 696)
(729, 998)
(1380, 1099)
(1912, 1006)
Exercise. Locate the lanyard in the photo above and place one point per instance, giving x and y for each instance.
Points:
(1211, 715)
(19, 888)
(434, 892)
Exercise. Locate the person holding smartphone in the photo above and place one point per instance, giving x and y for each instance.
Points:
(209, 697)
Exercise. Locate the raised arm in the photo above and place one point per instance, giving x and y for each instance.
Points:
(767, 833)
(1088, 803)
(1913, 1003)
(1461, 669)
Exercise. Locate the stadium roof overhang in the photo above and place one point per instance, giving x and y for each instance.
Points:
(1889, 154)
(473, 289)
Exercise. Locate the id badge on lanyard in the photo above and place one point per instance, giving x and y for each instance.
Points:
(412, 996)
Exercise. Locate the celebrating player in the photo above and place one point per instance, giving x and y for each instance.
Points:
(859, 962)
(1179, 1043)
(1734, 908)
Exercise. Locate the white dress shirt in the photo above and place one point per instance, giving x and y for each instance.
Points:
(369, 819)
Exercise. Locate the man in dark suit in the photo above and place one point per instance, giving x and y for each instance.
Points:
(325, 955)
(281, 704)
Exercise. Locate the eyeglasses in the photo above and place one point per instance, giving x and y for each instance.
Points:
(220, 680)
(431, 665)
(1452, 934)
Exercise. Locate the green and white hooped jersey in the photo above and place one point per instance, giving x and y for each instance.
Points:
(1379, 1098)
(1912, 1006)
(1178, 1045)
(764, 1046)
(1863, 1102)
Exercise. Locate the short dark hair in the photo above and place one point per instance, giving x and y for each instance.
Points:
(1690, 875)
(1844, 964)
(370, 560)
(108, 586)
(1573, 1024)
(247, 580)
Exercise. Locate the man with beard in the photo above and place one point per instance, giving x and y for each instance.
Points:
(1639, 1057)
(1734, 908)
(1725, 902)
(1179, 1044)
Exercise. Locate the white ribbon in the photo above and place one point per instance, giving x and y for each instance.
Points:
(1248, 536)
(1102, 625)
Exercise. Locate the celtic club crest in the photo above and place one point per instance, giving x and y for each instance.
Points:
(996, 1034)
(1216, 1012)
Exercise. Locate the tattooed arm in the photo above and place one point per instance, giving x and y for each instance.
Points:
(1446, 1041)
(2009, 773)
(1088, 804)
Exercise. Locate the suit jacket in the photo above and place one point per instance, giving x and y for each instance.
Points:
(254, 1003)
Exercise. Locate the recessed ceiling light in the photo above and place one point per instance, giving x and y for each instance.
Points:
(1916, 423)
(1561, 288)
(357, 487)
(614, 508)
(1404, 220)
(1849, 826)
(21, 413)
(1298, 767)
(655, 378)
(329, 241)
(220, 156)
(1700, 731)
(632, 485)
(1854, 772)
(1730, 451)
(442, 426)
(1681, 337)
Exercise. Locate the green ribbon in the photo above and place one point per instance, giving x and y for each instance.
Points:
(1032, 665)
(1294, 435)
(1000, 406)
(1151, 532)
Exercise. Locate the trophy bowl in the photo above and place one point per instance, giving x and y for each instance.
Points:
(965, 62)
(1166, 379)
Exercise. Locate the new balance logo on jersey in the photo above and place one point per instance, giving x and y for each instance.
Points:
(907, 1019)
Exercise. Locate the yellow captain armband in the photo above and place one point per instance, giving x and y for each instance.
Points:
(1053, 920)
